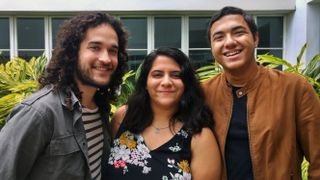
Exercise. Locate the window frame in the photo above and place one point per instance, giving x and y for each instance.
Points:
(185, 20)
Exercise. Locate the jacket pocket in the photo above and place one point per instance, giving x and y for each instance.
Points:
(63, 146)
(65, 160)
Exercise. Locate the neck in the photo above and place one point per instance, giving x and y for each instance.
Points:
(87, 95)
(161, 117)
(240, 78)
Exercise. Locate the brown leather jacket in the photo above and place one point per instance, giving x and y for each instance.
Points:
(283, 119)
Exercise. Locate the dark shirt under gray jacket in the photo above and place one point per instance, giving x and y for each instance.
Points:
(43, 140)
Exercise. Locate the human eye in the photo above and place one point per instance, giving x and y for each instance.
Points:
(94, 48)
(176, 75)
(217, 38)
(113, 51)
(157, 74)
(240, 32)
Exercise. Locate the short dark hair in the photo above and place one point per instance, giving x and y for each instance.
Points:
(192, 110)
(229, 10)
(63, 64)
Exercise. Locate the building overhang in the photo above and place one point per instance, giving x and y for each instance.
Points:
(143, 5)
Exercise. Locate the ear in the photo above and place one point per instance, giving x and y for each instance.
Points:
(256, 39)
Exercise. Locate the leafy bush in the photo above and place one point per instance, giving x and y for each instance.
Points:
(18, 79)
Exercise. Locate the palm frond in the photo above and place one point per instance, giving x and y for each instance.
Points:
(273, 61)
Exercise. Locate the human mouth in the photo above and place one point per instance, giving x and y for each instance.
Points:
(103, 68)
(232, 53)
(166, 92)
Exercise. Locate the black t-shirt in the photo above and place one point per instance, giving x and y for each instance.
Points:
(237, 150)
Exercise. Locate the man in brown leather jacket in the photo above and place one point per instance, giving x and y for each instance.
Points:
(265, 120)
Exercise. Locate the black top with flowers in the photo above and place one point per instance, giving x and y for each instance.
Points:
(130, 158)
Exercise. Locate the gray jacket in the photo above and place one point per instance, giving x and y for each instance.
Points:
(43, 140)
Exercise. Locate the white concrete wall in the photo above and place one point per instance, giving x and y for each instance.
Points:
(303, 26)
(313, 30)
(295, 32)
(141, 5)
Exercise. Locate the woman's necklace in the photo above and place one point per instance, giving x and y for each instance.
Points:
(157, 129)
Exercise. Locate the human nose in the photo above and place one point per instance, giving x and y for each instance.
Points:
(166, 81)
(230, 41)
(104, 57)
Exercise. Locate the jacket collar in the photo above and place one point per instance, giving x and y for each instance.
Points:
(252, 83)
(76, 105)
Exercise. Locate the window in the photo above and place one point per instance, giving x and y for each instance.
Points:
(138, 39)
(30, 33)
(199, 48)
(56, 23)
(31, 36)
(270, 35)
(167, 32)
(4, 40)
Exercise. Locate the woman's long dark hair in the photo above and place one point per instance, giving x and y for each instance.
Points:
(192, 111)
(63, 64)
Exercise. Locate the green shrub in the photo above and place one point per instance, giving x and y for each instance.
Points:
(18, 79)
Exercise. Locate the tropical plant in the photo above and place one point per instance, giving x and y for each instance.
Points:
(18, 79)
(208, 71)
(124, 91)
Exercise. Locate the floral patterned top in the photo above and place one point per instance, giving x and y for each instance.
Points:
(130, 158)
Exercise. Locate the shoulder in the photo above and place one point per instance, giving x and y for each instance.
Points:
(288, 80)
(205, 136)
(117, 119)
(283, 76)
(214, 82)
(45, 103)
(119, 114)
(42, 98)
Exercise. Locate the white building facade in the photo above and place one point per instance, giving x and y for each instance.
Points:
(28, 27)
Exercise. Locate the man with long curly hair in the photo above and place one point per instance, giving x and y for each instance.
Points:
(62, 131)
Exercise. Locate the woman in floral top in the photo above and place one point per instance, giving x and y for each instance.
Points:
(164, 131)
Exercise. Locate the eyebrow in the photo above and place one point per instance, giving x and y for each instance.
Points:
(232, 29)
(99, 43)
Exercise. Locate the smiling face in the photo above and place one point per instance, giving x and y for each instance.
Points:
(98, 57)
(164, 84)
(232, 43)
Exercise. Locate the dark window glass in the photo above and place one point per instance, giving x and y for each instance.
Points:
(167, 32)
(30, 33)
(135, 59)
(4, 33)
(4, 57)
(198, 32)
(274, 52)
(270, 31)
(56, 23)
(137, 29)
(200, 58)
(27, 55)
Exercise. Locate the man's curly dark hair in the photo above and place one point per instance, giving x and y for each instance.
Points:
(63, 64)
